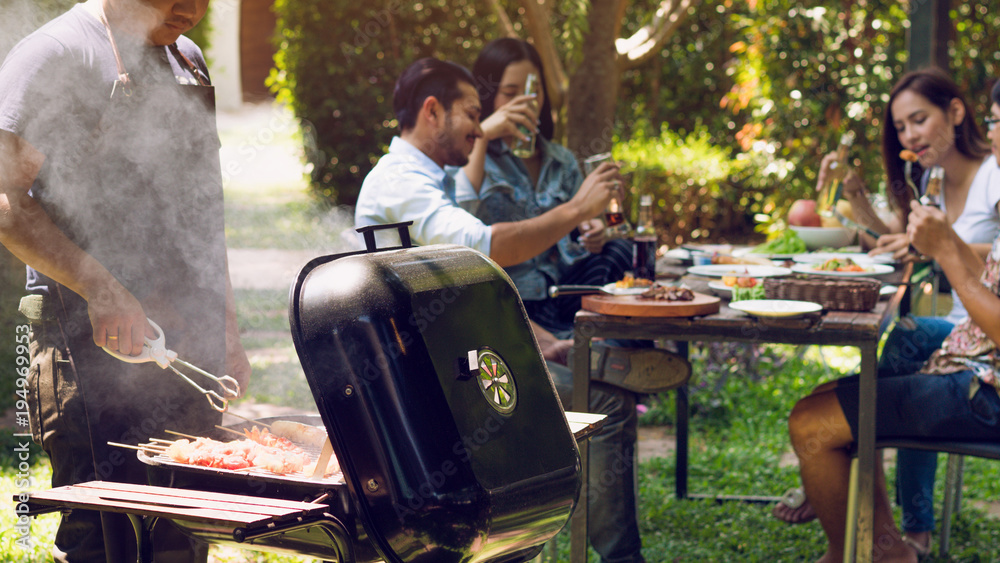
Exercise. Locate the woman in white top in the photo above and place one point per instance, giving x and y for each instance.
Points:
(926, 114)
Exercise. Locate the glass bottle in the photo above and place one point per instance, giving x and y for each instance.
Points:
(522, 148)
(644, 249)
(829, 192)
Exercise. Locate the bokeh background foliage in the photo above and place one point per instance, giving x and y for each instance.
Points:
(772, 84)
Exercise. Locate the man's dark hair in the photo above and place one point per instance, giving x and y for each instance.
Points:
(425, 78)
(996, 93)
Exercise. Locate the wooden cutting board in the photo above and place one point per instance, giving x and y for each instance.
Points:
(632, 306)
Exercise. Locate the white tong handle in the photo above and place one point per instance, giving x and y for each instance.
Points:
(153, 350)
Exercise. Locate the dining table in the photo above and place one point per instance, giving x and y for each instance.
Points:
(861, 330)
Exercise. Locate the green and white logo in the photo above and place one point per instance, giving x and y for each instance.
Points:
(496, 381)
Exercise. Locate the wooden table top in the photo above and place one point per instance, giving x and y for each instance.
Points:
(828, 327)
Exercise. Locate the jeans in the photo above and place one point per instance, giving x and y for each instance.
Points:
(905, 352)
(613, 530)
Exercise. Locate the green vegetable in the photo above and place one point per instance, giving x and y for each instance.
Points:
(746, 293)
(787, 242)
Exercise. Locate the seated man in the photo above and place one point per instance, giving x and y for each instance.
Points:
(438, 110)
(953, 397)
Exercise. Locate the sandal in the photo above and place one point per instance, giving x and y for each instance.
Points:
(923, 551)
(794, 508)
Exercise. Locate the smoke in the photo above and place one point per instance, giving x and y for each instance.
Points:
(134, 181)
(18, 18)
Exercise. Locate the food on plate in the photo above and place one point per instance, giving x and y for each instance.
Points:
(839, 264)
(745, 293)
(739, 281)
(744, 287)
(746, 259)
(787, 242)
(630, 281)
(667, 293)
(803, 213)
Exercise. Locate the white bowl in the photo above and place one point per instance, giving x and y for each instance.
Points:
(825, 237)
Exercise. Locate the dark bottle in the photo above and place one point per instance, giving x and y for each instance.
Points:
(644, 251)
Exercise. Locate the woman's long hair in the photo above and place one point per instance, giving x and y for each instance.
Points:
(940, 90)
(488, 70)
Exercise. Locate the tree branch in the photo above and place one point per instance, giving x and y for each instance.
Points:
(648, 40)
(508, 26)
(537, 23)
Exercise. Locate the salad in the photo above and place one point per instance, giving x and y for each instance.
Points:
(787, 242)
(744, 287)
(840, 265)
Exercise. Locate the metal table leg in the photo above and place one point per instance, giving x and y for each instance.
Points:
(683, 413)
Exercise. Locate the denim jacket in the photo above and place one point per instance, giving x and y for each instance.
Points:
(507, 194)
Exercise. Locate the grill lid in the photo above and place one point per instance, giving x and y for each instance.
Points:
(448, 429)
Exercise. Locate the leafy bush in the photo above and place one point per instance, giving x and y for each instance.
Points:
(337, 65)
(688, 177)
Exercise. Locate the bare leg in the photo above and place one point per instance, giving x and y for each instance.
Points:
(821, 438)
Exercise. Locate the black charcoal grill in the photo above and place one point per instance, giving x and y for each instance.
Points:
(449, 433)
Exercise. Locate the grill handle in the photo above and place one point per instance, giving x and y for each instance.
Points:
(368, 232)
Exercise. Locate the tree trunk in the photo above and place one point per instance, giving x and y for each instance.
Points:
(593, 87)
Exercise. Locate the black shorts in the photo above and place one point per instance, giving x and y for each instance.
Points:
(927, 406)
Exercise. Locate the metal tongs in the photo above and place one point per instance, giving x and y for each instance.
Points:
(155, 350)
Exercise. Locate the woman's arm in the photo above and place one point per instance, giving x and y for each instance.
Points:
(930, 233)
(502, 123)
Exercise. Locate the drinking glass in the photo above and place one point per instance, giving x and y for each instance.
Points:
(614, 215)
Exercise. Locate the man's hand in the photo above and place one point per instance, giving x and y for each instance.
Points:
(597, 190)
(504, 120)
(118, 319)
(592, 235)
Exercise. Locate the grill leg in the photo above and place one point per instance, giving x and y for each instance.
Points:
(143, 536)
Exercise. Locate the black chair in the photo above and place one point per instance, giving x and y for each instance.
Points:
(953, 482)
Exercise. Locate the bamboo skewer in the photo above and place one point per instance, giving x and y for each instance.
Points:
(181, 434)
(237, 432)
(141, 447)
(249, 419)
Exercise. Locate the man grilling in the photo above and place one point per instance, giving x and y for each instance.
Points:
(438, 109)
(111, 193)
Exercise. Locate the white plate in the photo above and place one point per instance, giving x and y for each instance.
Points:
(610, 288)
(772, 256)
(776, 307)
(721, 289)
(887, 291)
(752, 270)
(681, 254)
(859, 257)
(870, 270)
